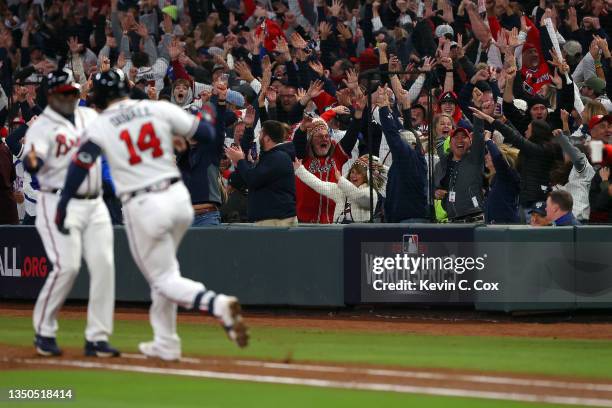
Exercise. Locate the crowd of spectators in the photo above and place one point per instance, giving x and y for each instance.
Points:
(341, 111)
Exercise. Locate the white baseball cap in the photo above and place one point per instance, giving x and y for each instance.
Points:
(444, 29)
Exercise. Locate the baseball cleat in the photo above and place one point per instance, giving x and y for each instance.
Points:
(229, 312)
(150, 349)
(100, 349)
(46, 346)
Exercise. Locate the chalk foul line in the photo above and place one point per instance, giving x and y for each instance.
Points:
(424, 375)
(351, 385)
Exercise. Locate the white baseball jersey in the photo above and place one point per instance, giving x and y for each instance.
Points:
(28, 185)
(136, 138)
(55, 141)
(18, 185)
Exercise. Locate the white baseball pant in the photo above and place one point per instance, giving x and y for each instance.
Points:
(156, 223)
(91, 235)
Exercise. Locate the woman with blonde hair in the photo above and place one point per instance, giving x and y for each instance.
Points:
(502, 200)
(442, 127)
(352, 193)
(591, 108)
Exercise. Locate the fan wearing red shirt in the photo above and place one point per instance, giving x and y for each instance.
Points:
(535, 72)
(320, 154)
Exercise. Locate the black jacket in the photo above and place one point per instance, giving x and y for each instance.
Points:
(534, 164)
(601, 202)
(271, 183)
(464, 179)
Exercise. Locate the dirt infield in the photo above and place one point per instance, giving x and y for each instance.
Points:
(559, 390)
(372, 323)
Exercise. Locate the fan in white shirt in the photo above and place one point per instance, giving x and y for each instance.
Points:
(352, 193)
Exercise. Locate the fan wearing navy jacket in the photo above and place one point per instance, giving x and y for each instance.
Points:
(502, 201)
(271, 182)
(199, 164)
(406, 199)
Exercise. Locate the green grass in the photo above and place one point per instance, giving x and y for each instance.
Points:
(576, 358)
(131, 390)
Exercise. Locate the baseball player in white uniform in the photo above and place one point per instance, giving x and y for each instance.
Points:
(137, 138)
(49, 147)
(25, 183)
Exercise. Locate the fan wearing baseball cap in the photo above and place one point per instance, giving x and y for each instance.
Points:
(595, 88)
(448, 103)
(458, 175)
(600, 127)
(537, 215)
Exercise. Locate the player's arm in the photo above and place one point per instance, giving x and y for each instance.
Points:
(204, 130)
(78, 170)
(190, 126)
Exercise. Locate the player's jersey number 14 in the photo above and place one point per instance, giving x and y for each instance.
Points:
(146, 140)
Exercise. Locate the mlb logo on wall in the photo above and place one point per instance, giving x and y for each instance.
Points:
(410, 244)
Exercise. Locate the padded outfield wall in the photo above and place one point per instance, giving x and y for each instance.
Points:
(334, 266)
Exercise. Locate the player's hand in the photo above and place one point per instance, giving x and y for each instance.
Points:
(60, 218)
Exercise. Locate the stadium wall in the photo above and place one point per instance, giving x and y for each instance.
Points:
(563, 268)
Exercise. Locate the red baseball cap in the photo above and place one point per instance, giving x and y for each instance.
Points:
(460, 129)
(367, 59)
(597, 119)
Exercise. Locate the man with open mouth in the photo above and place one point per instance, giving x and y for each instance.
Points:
(458, 175)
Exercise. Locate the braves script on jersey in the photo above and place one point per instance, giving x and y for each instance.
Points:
(136, 137)
(55, 140)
